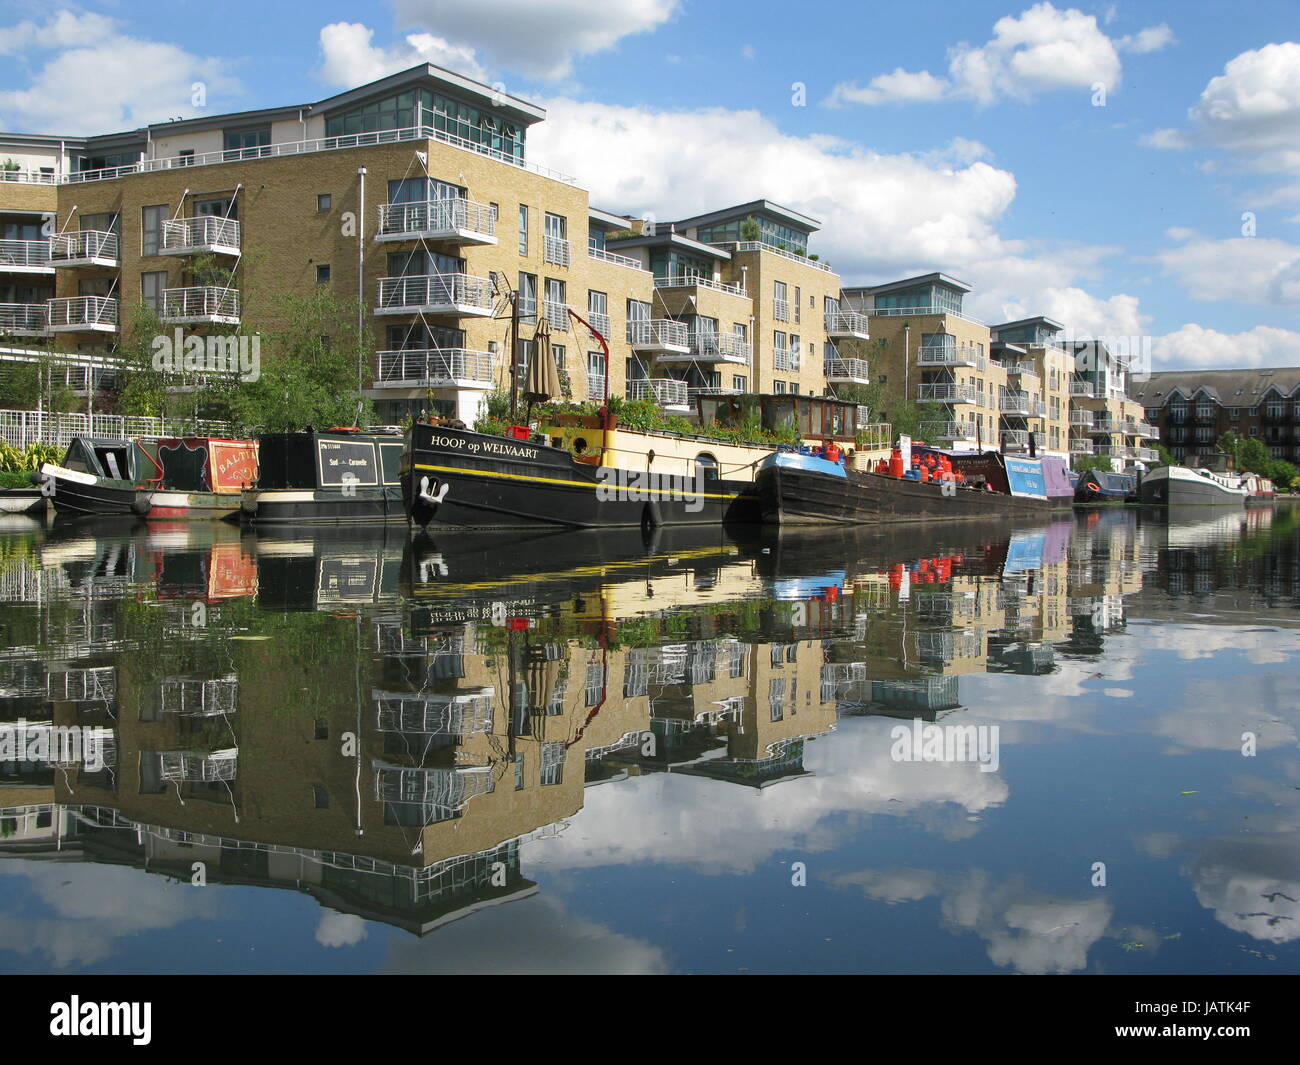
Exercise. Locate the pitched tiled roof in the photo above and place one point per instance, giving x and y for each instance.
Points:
(1231, 388)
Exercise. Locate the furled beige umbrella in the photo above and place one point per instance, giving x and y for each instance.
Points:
(543, 378)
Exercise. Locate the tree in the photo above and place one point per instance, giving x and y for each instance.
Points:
(1166, 459)
(750, 230)
(1094, 462)
(310, 369)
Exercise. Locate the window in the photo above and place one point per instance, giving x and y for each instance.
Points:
(528, 295)
(320, 797)
(186, 157)
(247, 143)
(778, 387)
(322, 273)
(740, 383)
(324, 201)
(780, 301)
(706, 466)
(523, 229)
(322, 729)
(151, 289)
(555, 242)
(223, 207)
(151, 221)
(558, 351)
(798, 302)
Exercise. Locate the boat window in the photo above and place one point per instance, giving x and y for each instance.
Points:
(706, 466)
(112, 461)
(390, 456)
(76, 458)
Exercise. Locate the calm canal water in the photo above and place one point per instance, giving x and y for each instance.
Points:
(693, 753)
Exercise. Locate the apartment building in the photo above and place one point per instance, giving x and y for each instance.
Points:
(1104, 421)
(415, 195)
(1191, 409)
(1037, 399)
(740, 305)
(925, 347)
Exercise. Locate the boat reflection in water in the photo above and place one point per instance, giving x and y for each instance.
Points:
(387, 725)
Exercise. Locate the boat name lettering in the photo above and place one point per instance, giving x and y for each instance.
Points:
(490, 447)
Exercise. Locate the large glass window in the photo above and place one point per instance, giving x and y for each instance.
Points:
(246, 143)
(482, 129)
(151, 220)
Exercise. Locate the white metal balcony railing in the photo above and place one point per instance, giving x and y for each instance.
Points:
(85, 247)
(785, 359)
(1080, 445)
(693, 281)
(556, 315)
(1015, 403)
(25, 256)
(304, 147)
(664, 391)
(959, 430)
(659, 334)
(1085, 390)
(847, 324)
(601, 255)
(458, 294)
(793, 256)
(556, 250)
(24, 319)
(595, 385)
(1115, 451)
(1103, 425)
(80, 313)
(720, 347)
(207, 233)
(22, 176)
(1080, 417)
(601, 323)
(944, 392)
(1145, 454)
(435, 367)
(711, 390)
(920, 312)
(200, 304)
(854, 370)
(1021, 369)
(1144, 429)
(781, 310)
(455, 218)
(1018, 440)
(951, 355)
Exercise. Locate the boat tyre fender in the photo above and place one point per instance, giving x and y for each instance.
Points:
(141, 505)
(651, 518)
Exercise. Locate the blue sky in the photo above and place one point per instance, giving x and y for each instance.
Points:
(964, 137)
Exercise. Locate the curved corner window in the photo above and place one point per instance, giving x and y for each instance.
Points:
(706, 466)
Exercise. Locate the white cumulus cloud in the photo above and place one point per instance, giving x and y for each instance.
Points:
(350, 57)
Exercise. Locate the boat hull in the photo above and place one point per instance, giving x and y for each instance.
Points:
(1175, 486)
(790, 496)
(23, 501)
(191, 506)
(456, 478)
(364, 506)
(76, 493)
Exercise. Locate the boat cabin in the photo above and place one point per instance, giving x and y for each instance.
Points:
(204, 464)
(815, 417)
(114, 459)
(329, 459)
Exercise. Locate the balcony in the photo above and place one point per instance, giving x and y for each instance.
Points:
(1081, 417)
(1021, 370)
(603, 256)
(781, 310)
(1101, 426)
(667, 393)
(1143, 429)
(928, 311)
(200, 305)
(1144, 454)
(24, 320)
(556, 250)
(946, 392)
(1206, 416)
(786, 359)
(693, 281)
(848, 325)
(21, 176)
(25, 257)
(556, 315)
(595, 385)
(1086, 390)
(1019, 403)
(83, 314)
(455, 220)
(659, 336)
(601, 323)
(85, 247)
(455, 295)
(711, 390)
(1080, 445)
(743, 246)
(950, 431)
(207, 235)
(1018, 440)
(713, 347)
(435, 368)
(846, 371)
(951, 355)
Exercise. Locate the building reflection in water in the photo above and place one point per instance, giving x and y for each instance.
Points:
(382, 723)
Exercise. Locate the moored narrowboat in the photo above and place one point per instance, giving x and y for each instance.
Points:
(1187, 486)
(340, 476)
(100, 475)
